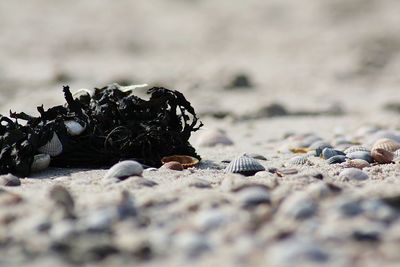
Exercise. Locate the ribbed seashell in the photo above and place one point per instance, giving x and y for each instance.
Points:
(356, 163)
(397, 153)
(211, 138)
(336, 159)
(386, 144)
(185, 161)
(382, 156)
(74, 128)
(53, 147)
(244, 165)
(360, 155)
(327, 153)
(353, 174)
(40, 162)
(299, 160)
(355, 149)
(125, 169)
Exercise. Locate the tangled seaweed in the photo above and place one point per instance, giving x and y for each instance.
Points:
(118, 125)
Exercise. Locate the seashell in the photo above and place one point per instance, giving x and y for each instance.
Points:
(357, 163)
(125, 169)
(300, 160)
(397, 153)
(361, 155)
(53, 147)
(40, 162)
(328, 153)
(213, 138)
(244, 165)
(353, 174)
(9, 180)
(355, 149)
(255, 156)
(173, 165)
(386, 144)
(382, 156)
(74, 128)
(336, 159)
(185, 161)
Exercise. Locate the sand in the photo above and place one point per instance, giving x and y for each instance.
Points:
(305, 55)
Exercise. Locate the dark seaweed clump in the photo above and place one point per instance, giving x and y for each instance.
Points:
(118, 125)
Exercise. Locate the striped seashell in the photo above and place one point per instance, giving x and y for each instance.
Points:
(125, 169)
(74, 128)
(355, 149)
(53, 147)
(361, 155)
(329, 152)
(244, 165)
(40, 162)
(353, 174)
(397, 153)
(356, 163)
(382, 156)
(336, 159)
(300, 160)
(386, 144)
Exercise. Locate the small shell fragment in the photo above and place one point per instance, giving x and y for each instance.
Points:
(244, 165)
(386, 144)
(53, 147)
(382, 156)
(74, 128)
(300, 160)
(40, 162)
(185, 161)
(353, 174)
(125, 169)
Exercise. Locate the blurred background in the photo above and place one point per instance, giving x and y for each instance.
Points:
(302, 54)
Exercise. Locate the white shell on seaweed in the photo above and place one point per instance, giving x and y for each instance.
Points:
(386, 144)
(211, 138)
(40, 162)
(244, 165)
(355, 149)
(353, 174)
(299, 160)
(125, 169)
(74, 128)
(53, 147)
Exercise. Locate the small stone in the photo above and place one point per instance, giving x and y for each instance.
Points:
(9, 180)
(199, 183)
(299, 206)
(252, 196)
(64, 202)
(353, 174)
(239, 81)
(210, 219)
(364, 155)
(173, 165)
(193, 244)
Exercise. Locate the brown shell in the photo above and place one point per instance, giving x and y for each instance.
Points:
(357, 163)
(382, 156)
(186, 161)
(386, 144)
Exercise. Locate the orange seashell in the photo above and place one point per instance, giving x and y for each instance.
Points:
(382, 156)
(173, 165)
(185, 161)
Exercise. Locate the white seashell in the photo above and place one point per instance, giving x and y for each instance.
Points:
(53, 147)
(213, 138)
(40, 162)
(300, 160)
(125, 169)
(386, 144)
(74, 128)
(353, 174)
(355, 149)
(244, 165)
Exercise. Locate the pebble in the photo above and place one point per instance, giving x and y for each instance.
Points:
(353, 174)
(9, 180)
(252, 196)
(40, 162)
(173, 165)
(212, 138)
(124, 170)
(364, 155)
(199, 183)
(336, 159)
(299, 206)
(192, 244)
(328, 153)
(210, 219)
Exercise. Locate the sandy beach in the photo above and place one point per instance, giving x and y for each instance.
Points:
(274, 77)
